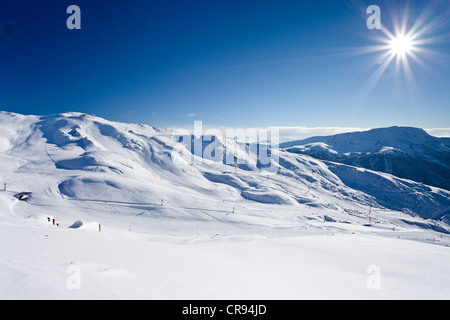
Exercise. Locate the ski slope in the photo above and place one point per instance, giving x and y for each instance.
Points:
(204, 229)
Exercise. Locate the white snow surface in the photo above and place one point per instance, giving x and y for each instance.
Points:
(314, 230)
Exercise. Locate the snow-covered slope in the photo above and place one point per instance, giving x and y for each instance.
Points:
(80, 157)
(406, 152)
(134, 183)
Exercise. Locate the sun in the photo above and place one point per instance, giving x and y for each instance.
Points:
(407, 43)
(401, 45)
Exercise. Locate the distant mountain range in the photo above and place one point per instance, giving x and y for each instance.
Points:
(406, 152)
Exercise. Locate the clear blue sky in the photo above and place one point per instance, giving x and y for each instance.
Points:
(228, 63)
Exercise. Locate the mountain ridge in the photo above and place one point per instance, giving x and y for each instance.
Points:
(79, 157)
(406, 152)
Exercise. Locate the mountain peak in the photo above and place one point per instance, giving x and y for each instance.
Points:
(408, 139)
(407, 152)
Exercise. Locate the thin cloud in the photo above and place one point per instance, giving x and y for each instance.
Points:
(438, 132)
(299, 133)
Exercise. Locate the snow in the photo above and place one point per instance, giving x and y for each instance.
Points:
(409, 139)
(118, 264)
(314, 230)
(408, 153)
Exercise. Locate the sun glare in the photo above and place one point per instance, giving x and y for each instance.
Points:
(401, 45)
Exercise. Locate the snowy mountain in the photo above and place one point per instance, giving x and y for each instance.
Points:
(408, 153)
(88, 158)
(147, 190)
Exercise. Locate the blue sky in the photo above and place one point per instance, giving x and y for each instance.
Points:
(227, 63)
